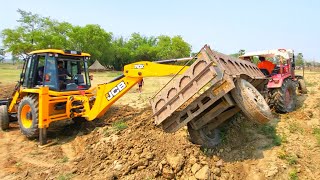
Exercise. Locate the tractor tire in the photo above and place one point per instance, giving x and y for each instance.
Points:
(203, 137)
(285, 97)
(302, 88)
(251, 102)
(4, 118)
(28, 113)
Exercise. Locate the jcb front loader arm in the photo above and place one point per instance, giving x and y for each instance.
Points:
(109, 93)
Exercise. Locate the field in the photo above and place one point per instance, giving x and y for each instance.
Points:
(126, 144)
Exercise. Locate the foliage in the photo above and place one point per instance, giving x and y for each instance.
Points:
(293, 175)
(239, 53)
(119, 125)
(299, 60)
(38, 32)
(271, 132)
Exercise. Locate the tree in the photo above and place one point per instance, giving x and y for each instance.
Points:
(15, 59)
(239, 53)
(299, 60)
(169, 48)
(94, 40)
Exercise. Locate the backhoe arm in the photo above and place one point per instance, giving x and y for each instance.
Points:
(109, 93)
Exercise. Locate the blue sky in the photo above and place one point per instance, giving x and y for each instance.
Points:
(226, 26)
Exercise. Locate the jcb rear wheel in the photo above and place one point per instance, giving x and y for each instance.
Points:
(28, 113)
(251, 102)
(4, 118)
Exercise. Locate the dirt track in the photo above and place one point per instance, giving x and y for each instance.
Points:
(103, 149)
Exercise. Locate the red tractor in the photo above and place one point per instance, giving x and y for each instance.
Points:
(283, 85)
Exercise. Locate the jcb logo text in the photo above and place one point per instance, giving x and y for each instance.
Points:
(114, 91)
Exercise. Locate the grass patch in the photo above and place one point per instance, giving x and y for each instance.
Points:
(115, 128)
(271, 132)
(311, 84)
(312, 92)
(18, 164)
(64, 159)
(291, 159)
(119, 125)
(316, 133)
(295, 127)
(293, 175)
(67, 176)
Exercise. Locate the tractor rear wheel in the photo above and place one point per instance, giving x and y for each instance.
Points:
(28, 113)
(302, 86)
(4, 118)
(251, 102)
(204, 137)
(285, 97)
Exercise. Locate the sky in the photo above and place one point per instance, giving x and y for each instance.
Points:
(227, 26)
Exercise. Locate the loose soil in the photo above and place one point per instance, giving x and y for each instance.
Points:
(125, 144)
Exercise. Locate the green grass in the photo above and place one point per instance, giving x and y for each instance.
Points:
(311, 84)
(9, 73)
(316, 133)
(271, 132)
(115, 128)
(295, 127)
(293, 175)
(119, 125)
(291, 159)
(65, 176)
(64, 159)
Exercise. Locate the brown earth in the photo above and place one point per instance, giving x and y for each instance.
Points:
(134, 148)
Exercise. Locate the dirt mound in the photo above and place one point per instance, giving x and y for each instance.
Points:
(142, 150)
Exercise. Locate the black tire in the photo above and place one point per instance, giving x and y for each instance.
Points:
(251, 102)
(285, 97)
(302, 86)
(4, 118)
(28, 113)
(204, 137)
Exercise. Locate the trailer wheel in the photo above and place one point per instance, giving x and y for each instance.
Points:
(285, 97)
(302, 86)
(204, 137)
(28, 113)
(4, 118)
(251, 102)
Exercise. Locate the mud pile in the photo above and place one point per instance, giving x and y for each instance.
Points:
(143, 150)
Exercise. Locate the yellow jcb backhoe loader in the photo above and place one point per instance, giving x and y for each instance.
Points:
(55, 85)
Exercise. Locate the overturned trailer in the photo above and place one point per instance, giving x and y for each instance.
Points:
(213, 89)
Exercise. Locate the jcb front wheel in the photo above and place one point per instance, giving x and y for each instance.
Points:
(28, 113)
(4, 118)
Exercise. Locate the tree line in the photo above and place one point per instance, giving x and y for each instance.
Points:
(39, 32)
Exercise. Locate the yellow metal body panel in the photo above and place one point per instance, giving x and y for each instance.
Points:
(57, 51)
(152, 69)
